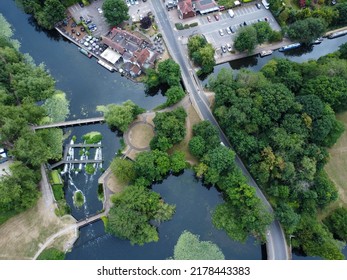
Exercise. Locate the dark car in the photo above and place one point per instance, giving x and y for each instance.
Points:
(232, 30)
(73, 24)
(244, 23)
(88, 21)
(81, 4)
(266, 19)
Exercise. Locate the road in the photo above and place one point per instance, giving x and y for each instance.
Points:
(276, 243)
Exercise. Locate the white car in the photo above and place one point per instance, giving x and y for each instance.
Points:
(136, 2)
(221, 33)
(228, 30)
(229, 47)
(99, 10)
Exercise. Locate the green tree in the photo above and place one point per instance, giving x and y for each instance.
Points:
(306, 30)
(169, 72)
(316, 240)
(342, 11)
(52, 12)
(189, 247)
(120, 116)
(169, 125)
(246, 39)
(197, 146)
(152, 79)
(263, 30)
(288, 218)
(57, 107)
(202, 53)
(343, 51)
(178, 162)
(152, 165)
(174, 94)
(337, 223)
(115, 11)
(123, 170)
(131, 213)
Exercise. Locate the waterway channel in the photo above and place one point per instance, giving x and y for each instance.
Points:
(87, 85)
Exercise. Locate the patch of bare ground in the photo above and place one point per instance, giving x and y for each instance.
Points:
(336, 168)
(193, 118)
(22, 235)
(140, 135)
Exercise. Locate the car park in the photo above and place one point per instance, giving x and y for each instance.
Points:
(216, 17)
(221, 33)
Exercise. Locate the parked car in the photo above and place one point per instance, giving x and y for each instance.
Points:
(228, 30)
(244, 23)
(128, 3)
(221, 8)
(216, 17)
(231, 29)
(221, 33)
(88, 21)
(209, 18)
(258, 6)
(224, 49)
(99, 10)
(81, 4)
(229, 47)
(266, 19)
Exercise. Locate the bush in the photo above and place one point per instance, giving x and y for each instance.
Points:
(58, 192)
(194, 24)
(186, 26)
(179, 26)
(62, 209)
(90, 169)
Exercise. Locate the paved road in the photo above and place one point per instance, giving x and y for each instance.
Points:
(276, 243)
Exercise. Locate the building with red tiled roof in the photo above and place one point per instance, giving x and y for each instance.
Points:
(113, 45)
(185, 9)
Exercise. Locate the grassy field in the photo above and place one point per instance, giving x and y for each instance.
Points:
(22, 235)
(337, 168)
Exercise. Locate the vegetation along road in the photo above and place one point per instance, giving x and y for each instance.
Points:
(276, 242)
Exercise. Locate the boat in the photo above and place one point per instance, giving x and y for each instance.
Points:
(265, 53)
(85, 52)
(318, 41)
(337, 34)
(290, 47)
(107, 66)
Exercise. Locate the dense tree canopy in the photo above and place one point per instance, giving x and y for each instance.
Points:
(337, 223)
(115, 11)
(246, 39)
(202, 53)
(169, 129)
(189, 247)
(306, 30)
(280, 121)
(22, 84)
(130, 216)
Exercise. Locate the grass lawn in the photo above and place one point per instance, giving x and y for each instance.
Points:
(193, 118)
(22, 235)
(337, 168)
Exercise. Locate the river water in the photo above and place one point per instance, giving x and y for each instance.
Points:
(87, 85)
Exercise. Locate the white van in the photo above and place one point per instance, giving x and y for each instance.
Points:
(231, 13)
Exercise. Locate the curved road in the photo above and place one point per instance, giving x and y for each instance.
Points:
(276, 243)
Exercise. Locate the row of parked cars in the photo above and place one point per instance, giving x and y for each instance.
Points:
(226, 48)
(229, 30)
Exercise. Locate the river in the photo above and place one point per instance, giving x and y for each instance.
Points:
(87, 85)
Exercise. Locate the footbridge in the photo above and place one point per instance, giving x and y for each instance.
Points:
(70, 123)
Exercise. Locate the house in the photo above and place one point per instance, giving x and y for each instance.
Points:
(203, 7)
(140, 57)
(185, 9)
(113, 45)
